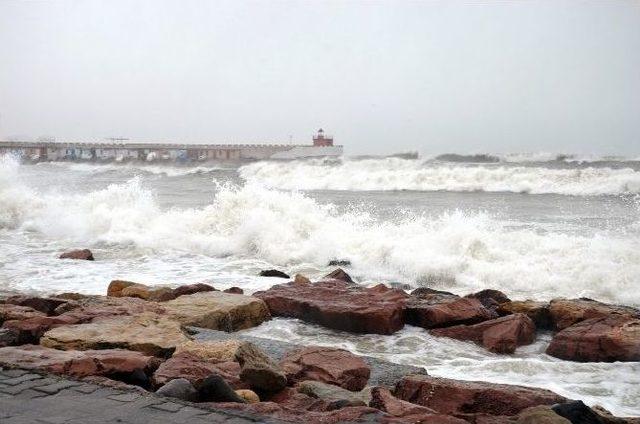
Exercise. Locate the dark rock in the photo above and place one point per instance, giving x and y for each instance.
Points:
(490, 298)
(339, 262)
(8, 337)
(452, 312)
(453, 397)
(234, 290)
(433, 295)
(398, 285)
(339, 274)
(339, 305)
(84, 254)
(328, 365)
(10, 312)
(566, 312)
(192, 288)
(46, 305)
(258, 370)
(537, 311)
(500, 335)
(605, 339)
(577, 412)
(215, 389)
(179, 388)
(30, 330)
(273, 273)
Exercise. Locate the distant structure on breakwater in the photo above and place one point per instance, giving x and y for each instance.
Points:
(120, 150)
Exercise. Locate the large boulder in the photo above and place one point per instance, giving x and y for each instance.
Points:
(196, 369)
(339, 305)
(382, 399)
(11, 312)
(577, 412)
(326, 364)
(31, 329)
(116, 286)
(180, 388)
(192, 289)
(605, 339)
(273, 273)
(453, 397)
(91, 307)
(540, 415)
(259, 370)
(215, 389)
(566, 312)
(500, 335)
(81, 254)
(218, 311)
(335, 397)
(490, 298)
(154, 294)
(107, 362)
(537, 311)
(212, 351)
(46, 305)
(148, 333)
(456, 311)
(433, 296)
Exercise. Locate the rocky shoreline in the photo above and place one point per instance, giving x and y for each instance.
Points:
(183, 343)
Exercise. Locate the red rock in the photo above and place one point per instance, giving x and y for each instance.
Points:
(192, 288)
(30, 330)
(85, 310)
(453, 312)
(194, 369)
(293, 399)
(116, 286)
(537, 311)
(9, 312)
(84, 254)
(452, 397)
(566, 312)
(328, 365)
(606, 339)
(234, 290)
(76, 363)
(382, 399)
(46, 305)
(339, 305)
(500, 335)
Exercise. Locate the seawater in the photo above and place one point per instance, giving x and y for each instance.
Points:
(531, 226)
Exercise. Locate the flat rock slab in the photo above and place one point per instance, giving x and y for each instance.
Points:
(148, 333)
(217, 311)
(27, 398)
(339, 305)
(566, 312)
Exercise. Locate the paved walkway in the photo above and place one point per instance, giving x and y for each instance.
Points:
(29, 398)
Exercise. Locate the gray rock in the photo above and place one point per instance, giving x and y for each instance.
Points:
(335, 396)
(259, 370)
(215, 389)
(179, 388)
(8, 337)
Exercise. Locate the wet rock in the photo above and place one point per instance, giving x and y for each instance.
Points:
(339, 305)
(537, 311)
(301, 279)
(577, 413)
(335, 397)
(212, 351)
(195, 370)
(217, 311)
(500, 335)
(214, 389)
(153, 294)
(179, 388)
(453, 312)
(339, 262)
(75, 363)
(234, 290)
(148, 333)
(382, 399)
(10, 312)
(433, 296)
(490, 298)
(605, 339)
(46, 305)
(249, 396)
(339, 274)
(273, 273)
(116, 286)
(566, 312)
(540, 415)
(30, 330)
(258, 370)
(328, 365)
(8, 337)
(453, 397)
(192, 289)
(83, 254)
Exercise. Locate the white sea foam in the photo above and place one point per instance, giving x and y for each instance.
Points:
(141, 168)
(403, 174)
(459, 251)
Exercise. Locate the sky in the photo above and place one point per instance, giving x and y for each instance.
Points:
(381, 76)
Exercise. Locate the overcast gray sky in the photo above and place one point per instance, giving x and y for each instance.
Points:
(382, 76)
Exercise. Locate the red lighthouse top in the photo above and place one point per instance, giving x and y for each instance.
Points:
(322, 140)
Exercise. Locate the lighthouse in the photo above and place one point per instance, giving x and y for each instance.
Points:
(321, 140)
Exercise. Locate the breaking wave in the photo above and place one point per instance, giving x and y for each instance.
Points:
(455, 250)
(401, 174)
(134, 168)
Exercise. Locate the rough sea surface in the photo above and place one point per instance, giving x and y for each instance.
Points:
(530, 225)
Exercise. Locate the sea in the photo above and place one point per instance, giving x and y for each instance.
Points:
(535, 226)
